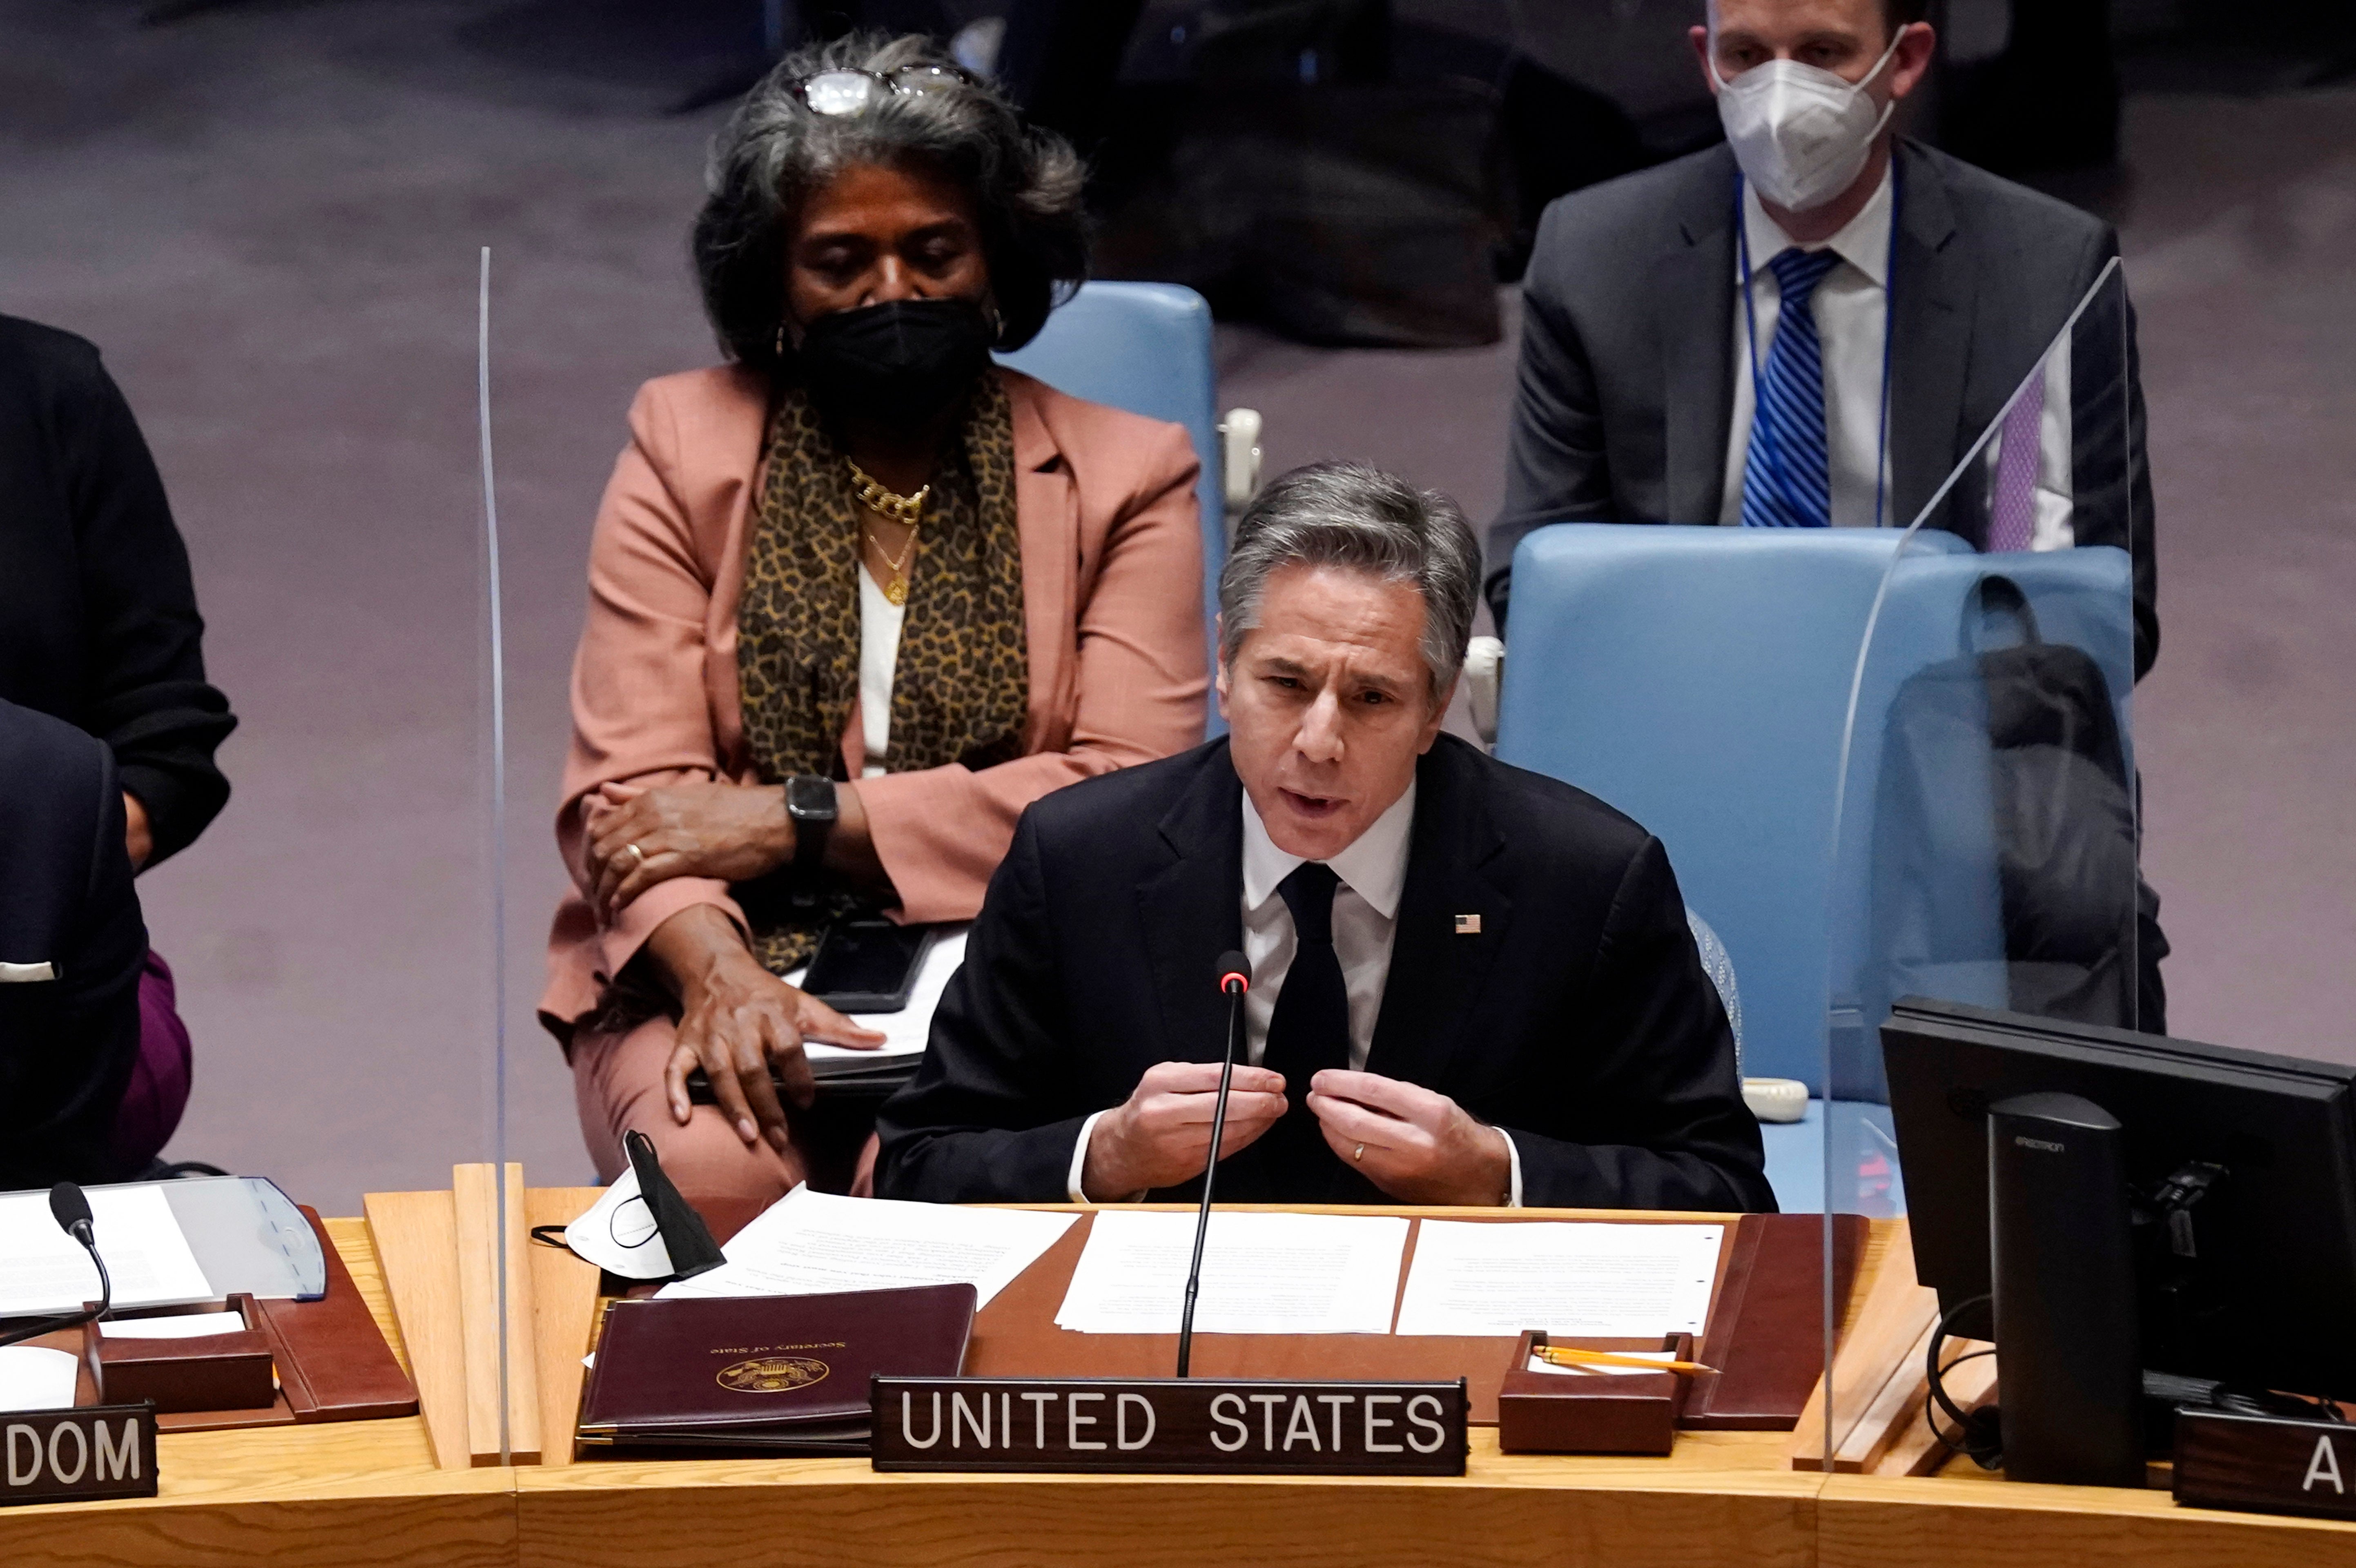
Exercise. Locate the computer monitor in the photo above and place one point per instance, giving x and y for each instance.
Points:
(2255, 1283)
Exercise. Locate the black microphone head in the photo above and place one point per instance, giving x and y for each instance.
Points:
(1235, 972)
(69, 1206)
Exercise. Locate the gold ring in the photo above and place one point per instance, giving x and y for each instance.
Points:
(1361, 1153)
(638, 853)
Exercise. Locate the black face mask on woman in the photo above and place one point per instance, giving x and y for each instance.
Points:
(898, 363)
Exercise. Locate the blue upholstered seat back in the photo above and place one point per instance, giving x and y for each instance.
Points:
(1699, 679)
(1145, 348)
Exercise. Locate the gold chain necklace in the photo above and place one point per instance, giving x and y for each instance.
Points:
(897, 591)
(908, 509)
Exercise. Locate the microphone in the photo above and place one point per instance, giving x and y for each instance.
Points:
(1233, 974)
(69, 1207)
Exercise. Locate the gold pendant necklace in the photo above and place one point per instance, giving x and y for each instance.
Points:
(908, 509)
(897, 591)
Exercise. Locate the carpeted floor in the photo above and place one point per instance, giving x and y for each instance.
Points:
(269, 217)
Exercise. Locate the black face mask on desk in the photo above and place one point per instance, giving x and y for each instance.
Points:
(899, 363)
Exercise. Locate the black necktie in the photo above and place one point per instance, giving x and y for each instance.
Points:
(1310, 1028)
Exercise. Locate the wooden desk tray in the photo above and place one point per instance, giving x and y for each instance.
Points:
(1591, 1412)
(1765, 1331)
(228, 1372)
(332, 1362)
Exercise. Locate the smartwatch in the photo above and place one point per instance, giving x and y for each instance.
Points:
(809, 801)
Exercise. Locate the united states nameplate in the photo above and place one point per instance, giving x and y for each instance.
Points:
(1169, 1426)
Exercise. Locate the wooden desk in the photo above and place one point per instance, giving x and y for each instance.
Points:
(367, 1493)
(359, 1491)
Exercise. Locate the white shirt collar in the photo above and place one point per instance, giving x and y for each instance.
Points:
(1374, 866)
(1863, 242)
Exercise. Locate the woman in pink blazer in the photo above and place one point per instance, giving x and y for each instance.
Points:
(855, 599)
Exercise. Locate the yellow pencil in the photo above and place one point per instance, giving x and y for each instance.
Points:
(1570, 1356)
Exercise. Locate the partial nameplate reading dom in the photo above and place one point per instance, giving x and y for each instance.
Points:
(1170, 1426)
(77, 1455)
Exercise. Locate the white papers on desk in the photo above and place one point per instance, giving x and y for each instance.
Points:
(1540, 1364)
(905, 1032)
(43, 1271)
(186, 1325)
(34, 1377)
(1590, 1279)
(1262, 1274)
(811, 1243)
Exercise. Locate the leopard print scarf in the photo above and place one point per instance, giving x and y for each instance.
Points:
(960, 688)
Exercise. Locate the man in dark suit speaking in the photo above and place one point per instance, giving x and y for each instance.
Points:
(1882, 300)
(1472, 984)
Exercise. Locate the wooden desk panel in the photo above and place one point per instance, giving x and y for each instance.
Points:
(368, 1493)
(1977, 1522)
(1723, 1498)
(337, 1492)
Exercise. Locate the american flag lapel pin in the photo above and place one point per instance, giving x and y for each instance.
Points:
(1468, 925)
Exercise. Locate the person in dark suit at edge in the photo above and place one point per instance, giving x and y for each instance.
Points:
(72, 948)
(1472, 984)
(1636, 387)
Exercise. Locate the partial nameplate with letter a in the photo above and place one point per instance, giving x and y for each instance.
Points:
(1169, 1426)
(2266, 1463)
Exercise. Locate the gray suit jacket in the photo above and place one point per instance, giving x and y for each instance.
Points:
(1626, 393)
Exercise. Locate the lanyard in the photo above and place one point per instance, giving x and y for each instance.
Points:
(1758, 371)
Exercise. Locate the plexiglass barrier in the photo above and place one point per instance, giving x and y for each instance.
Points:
(1984, 844)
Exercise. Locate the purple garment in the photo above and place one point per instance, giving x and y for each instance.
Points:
(158, 1091)
(2012, 511)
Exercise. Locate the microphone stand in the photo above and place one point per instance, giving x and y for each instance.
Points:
(1234, 985)
(71, 1209)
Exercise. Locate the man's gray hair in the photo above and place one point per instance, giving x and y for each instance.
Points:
(1351, 515)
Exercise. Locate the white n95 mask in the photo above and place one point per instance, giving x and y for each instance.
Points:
(1800, 133)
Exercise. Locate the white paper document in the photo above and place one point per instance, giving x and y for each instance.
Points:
(186, 1325)
(44, 1271)
(905, 1032)
(811, 1243)
(34, 1377)
(1592, 1279)
(1262, 1274)
(1540, 1364)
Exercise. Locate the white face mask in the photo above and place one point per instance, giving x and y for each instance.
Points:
(1800, 133)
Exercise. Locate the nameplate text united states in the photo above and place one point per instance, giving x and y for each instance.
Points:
(1169, 1426)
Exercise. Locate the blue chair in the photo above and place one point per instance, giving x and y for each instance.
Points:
(1146, 348)
(1700, 680)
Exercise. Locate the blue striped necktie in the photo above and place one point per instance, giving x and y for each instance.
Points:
(1787, 473)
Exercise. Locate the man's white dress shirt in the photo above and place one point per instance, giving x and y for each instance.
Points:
(1852, 310)
(1373, 872)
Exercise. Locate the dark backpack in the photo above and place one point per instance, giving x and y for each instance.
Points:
(2004, 870)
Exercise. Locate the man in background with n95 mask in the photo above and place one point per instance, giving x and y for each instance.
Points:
(1882, 300)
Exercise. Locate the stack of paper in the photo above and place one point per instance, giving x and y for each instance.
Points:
(34, 1377)
(1262, 1274)
(814, 1244)
(1540, 1364)
(1570, 1278)
(44, 1271)
(905, 1032)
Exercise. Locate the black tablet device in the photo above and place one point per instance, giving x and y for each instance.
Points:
(867, 966)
